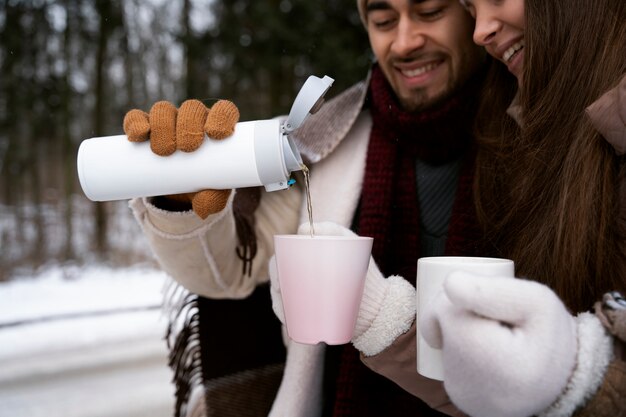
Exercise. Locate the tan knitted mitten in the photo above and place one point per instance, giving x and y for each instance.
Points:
(170, 129)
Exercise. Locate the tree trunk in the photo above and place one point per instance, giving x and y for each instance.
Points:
(67, 146)
(103, 8)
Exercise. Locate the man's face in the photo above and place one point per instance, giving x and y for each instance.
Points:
(424, 48)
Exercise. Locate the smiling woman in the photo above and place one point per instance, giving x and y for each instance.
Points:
(550, 186)
(564, 173)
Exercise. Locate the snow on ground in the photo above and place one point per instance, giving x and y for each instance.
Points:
(84, 342)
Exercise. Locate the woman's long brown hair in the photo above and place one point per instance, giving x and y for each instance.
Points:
(547, 192)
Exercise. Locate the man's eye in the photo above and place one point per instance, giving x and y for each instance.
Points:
(382, 20)
(382, 24)
(431, 14)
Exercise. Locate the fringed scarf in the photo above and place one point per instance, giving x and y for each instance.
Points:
(389, 213)
(231, 350)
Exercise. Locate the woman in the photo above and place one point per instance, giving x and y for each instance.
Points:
(550, 188)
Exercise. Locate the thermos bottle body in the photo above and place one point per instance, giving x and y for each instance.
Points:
(258, 153)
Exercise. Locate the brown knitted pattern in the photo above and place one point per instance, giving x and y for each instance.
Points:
(170, 129)
(208, 202)
(163, 128)
(612, 316)
(610, 400)
(259, 385)
(190, 125)
(221, 120)
(136, 125)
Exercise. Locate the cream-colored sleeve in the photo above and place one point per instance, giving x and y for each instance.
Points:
(201, 254)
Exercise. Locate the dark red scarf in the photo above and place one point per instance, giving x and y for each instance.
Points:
(389, 213)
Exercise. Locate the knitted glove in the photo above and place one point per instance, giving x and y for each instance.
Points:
(510, 347)
(387, 308)
(169, 129)
(612, 313)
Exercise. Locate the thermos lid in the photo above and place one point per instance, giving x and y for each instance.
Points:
(308, 101)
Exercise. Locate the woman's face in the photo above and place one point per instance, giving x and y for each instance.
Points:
(500, 29)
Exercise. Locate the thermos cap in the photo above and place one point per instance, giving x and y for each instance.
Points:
(308, 101)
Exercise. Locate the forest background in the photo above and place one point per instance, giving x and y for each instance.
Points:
(71, 69)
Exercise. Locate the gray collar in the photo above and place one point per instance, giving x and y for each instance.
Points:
(323, 131)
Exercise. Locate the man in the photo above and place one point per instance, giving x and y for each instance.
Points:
(391, 158)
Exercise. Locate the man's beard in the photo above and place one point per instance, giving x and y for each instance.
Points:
(420, 101)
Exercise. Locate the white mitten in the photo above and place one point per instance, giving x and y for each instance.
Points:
(510, 347)
(387, 308)
(300, 392)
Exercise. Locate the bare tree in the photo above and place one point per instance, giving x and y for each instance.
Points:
(109, 18)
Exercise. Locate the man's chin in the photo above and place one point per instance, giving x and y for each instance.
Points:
(421, 100)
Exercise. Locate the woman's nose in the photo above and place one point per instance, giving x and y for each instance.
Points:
(486, 29)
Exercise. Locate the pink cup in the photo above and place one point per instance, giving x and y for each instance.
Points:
(321, 282)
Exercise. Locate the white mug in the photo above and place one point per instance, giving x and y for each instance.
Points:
(431, 274)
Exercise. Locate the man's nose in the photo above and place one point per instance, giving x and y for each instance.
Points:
(409, 37)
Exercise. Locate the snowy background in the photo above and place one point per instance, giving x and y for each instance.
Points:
(81, 333)
(84, 341)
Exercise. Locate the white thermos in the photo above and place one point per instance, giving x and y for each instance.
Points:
(258, 153)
